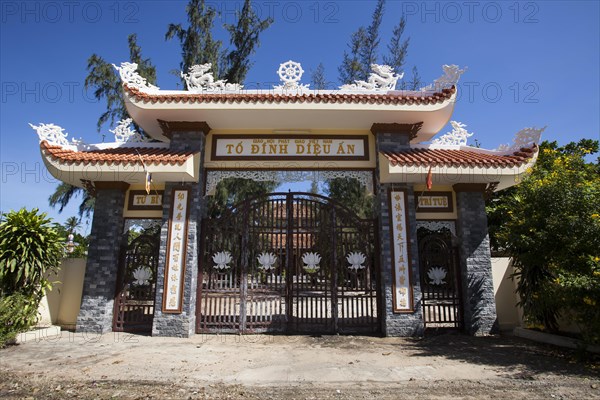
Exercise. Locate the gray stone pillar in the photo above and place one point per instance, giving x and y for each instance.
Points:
(100, 282)
(394, 137)
(476, 267)
(183, 324)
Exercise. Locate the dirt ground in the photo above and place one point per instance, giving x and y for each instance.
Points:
(447, 366)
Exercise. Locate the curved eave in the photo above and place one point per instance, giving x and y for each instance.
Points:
(449, 175)
(75, 173)
(288, 115)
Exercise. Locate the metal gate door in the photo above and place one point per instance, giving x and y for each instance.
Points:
(288, 262)
(134, 302)
(440, 280)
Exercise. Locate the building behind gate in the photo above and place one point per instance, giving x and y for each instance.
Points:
(288, 262)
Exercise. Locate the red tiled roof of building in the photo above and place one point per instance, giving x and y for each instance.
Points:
(340, 97)
(122, 155)
(417, 157)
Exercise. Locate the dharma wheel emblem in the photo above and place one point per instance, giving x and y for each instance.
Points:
(290, 72)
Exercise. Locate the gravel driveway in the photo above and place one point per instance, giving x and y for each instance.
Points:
(447, 366)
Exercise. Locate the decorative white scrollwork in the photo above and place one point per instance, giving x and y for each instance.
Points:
(523, 139)
(452, 74)
(311, 262)
(436, 226)
(458, 136)
(142, 276)
(214, 177)
(356, 260)
(437, 275)
(222, 260)
(54, 135)
(266, 261)
(382, 78)
(130, 76)
(139, 225)
(199, 78)
(124, 133)
(290, 73)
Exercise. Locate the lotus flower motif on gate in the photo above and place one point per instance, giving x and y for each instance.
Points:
(266, 261)
(222, 259)
(356, 260)
(142, 276)
(311, 261)
(437, 275)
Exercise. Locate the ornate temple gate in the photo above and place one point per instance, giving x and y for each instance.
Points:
(440, 278)
(288, 262)
(134, 301)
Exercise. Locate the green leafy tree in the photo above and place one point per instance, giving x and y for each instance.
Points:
(244, 36)
(106, 84)
(197, 43)
(350, 193)
(351, 68)
(30, 252)
(65, 192)
(81, 242)
(71, 224)
(550, 225)
(398, 47)
(199, 47)
(368, 51)
(232, 191)
(363, 51)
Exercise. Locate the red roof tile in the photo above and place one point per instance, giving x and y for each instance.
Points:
(357, 98)
(419, 157)
(122, 155)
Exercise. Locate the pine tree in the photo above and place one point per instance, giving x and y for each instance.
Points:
(197, 44)
(245, 37)
(368, 50)
(351, 68)
(318, 81)
(415, 82)
(398, 48)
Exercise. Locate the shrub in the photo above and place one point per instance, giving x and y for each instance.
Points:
(30, 252)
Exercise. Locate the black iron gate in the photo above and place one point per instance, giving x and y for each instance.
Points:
(134, 301)
(440, 280)
(288, 262)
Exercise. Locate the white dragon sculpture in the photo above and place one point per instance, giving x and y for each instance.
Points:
(382, 78)
(199, 78)
(457, 137)
(130, 76)
(124, 133)
(452, 74)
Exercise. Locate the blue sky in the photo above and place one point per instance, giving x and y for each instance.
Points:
(529, 64)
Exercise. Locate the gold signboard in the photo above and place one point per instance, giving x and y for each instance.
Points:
(140, 200)
(290, 147)
(434, 202)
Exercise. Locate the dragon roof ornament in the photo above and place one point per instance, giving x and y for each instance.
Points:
(382, 78)
(130, 76)
(452, 74)
(124, 133)
(199, 79)
(290, 73)
(56, 136)
(457, 137)
(525, 138)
